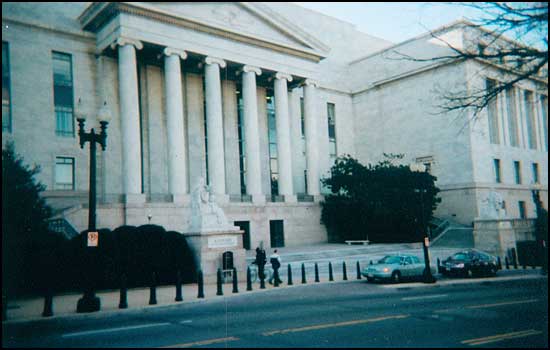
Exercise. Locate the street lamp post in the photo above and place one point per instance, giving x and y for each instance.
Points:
(89, 302)
(427, 274)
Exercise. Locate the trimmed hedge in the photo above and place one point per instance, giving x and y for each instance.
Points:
(70, 266)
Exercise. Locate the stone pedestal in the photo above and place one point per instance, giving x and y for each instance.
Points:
(208, 248)
(494, 236)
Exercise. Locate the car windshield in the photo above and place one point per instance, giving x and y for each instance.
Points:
(389, 259)
(460, 256)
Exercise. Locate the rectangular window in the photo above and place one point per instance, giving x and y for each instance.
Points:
(522, 211)
(6, 88)
(331, 116)
(64, 173)
(242, 145)
(493, 115)
(530, 120)
(535, 167)
(544, 110)
(272, 137)
(63, 94)
(496, 163)
(517, 172)
(512, 116)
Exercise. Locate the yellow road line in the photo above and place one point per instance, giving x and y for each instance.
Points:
(329, 325)
(500, 337)
(202, 342)
(500, 304)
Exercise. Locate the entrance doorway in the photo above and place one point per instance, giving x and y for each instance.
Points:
(245, 226)
(277, 233)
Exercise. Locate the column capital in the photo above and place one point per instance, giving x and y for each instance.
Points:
(121, 41)
(212, 60)
(173, 51)
(311, 82)
(281, 75)
(256, 70)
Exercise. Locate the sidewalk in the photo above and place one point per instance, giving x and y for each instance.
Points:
(138, 299)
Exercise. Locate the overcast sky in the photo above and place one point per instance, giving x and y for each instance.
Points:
(395, 21)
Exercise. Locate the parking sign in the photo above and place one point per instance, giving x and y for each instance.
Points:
(93, 238)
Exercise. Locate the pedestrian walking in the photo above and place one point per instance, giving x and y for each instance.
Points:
(260, 261)
(275, 261)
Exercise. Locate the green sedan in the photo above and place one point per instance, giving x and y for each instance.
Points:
(396, 268)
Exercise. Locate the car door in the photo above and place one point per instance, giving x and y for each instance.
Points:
(408, 267)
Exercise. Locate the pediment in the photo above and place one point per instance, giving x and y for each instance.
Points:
(239, 20)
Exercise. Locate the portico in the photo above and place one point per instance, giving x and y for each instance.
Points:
(170, 37)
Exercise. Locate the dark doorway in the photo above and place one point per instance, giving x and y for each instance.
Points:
(276, 233)
(245, 226)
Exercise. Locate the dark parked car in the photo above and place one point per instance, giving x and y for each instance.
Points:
(469, 263)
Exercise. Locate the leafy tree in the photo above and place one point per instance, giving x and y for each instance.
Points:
(382, 202)
(511, 36)
(24, 220)
(541, 230)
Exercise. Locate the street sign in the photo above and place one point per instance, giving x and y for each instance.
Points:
(93, 239)
(426, 241)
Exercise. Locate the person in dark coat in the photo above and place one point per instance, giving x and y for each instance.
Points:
(275, 261)
(260, 261)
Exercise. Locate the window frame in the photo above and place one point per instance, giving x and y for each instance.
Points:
(9, 125)
(58, 186)
(57, 55)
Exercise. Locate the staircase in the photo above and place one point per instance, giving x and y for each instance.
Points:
(447, 233)
(62, 226)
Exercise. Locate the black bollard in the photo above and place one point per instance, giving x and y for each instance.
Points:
(153, 290)
(179, 296)
(276, 277)
(235, 281)
(123, 303)
(4, 307)
(303, 274)
(201, 285)
(499, 262)
(262, 281)
(330, 277)
(358, 271)
(370, 262)
(515, 261)
(316, 273)
(507, 263)
(289, 273)
(248, 279)
(344, 271)
(524, 264)
(219, 283)
(48, 303)
(438, 266)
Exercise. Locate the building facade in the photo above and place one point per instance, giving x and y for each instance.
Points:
(255, 99)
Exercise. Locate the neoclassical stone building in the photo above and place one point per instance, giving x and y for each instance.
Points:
(259, 99)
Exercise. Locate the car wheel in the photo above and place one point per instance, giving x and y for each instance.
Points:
(469, 273)
(370, 279)
(493, 271)
(396, 277)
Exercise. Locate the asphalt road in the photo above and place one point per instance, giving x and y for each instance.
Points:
(352, 314)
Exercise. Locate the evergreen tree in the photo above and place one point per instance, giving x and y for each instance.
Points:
(24, 218)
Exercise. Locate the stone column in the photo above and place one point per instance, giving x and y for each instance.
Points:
(129, 118)
(177, 159)
(283, 136)
(214, 121)
(251, 134)
(310, 121)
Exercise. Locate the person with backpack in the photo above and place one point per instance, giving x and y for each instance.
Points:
(275, 261)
